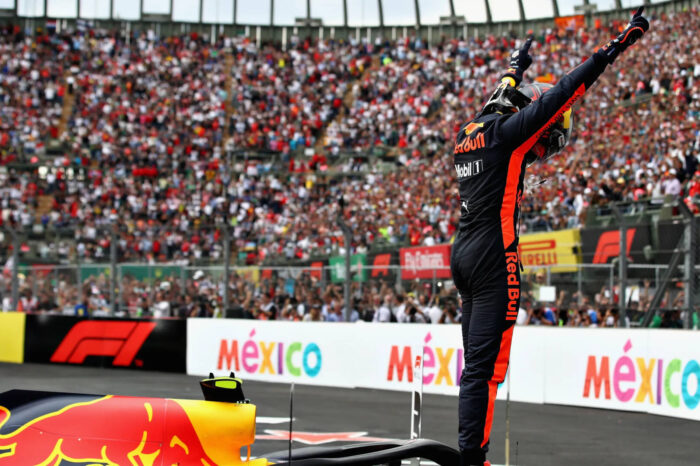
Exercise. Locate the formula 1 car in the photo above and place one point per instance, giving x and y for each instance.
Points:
(61, 429)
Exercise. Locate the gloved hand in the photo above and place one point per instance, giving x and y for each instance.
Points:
(634, 30)
(520, 61)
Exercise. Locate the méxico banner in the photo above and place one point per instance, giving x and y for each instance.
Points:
(342, 355)
(654, 371)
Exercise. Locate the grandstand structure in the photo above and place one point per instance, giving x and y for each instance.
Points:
(278, 20)
(61, 156)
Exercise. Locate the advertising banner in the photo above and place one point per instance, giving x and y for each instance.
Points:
(382, 266)
(304, 352)
(425, 262)
(311, 268)
(344, 355)
(570, 22)
(669, 233)
(387, 355)
(654, 371)
(358, 269)
(12, 336)
(551, 248)
(602, 245)
(139, 272)
(156, 344)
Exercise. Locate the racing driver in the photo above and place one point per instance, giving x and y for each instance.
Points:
(491, 154)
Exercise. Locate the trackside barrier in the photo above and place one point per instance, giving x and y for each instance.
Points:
(12, 337)
(654, 371)
(150, 344)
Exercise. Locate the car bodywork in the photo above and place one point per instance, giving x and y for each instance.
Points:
(60, 429)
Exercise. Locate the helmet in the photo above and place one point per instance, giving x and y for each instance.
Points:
(556, 136)
(505, 99)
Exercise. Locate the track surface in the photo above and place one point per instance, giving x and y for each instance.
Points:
(545, 435)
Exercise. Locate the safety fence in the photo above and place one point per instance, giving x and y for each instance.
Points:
(156, 290)
(566, 269)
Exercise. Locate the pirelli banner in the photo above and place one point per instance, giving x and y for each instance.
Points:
(155, 344)
(549, 249)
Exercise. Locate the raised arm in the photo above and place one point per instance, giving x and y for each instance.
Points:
(526, 126)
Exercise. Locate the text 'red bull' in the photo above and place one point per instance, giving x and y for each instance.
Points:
(513, 285)
(470, 143)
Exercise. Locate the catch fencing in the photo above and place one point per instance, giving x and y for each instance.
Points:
(140, 287)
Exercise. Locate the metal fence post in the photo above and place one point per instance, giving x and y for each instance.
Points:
(623, 273)
(322, 281)
(579, 283)
(656, 276)
(150, 285)
(78, 282)
(434, 289)
(29, 270)
(122, 308)
(55, 280)
(348, 274)
(227, 267)
(612, 281)
(690, 250)
(113, 269)
(15, 269)
(623, 264)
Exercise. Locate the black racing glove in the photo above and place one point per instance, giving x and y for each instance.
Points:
(520, 60)
(634, 30)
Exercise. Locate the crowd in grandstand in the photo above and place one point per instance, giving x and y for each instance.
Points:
(154, 120)
(139, 133)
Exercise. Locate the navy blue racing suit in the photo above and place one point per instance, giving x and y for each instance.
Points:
(489, 158)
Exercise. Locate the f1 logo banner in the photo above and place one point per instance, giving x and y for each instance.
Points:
(602, 245)
(137, 344)
(121, 339)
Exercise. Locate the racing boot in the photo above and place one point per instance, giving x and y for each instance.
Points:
(473, 458)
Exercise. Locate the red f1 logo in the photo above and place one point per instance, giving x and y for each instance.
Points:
(609, 245)
(381, 265)
(121, 339)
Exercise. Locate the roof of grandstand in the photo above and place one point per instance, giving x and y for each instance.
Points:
(328, 12)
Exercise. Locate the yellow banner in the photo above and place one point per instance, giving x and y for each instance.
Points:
(250, 274)
(551, 248)
(12, 337)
